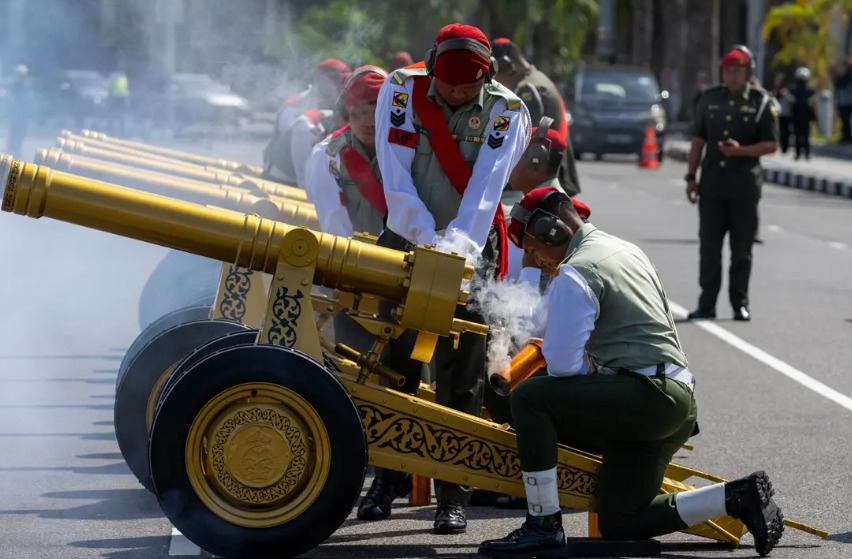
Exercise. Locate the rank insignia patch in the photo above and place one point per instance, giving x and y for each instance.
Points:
(501, 124)
(400, 100)
(495, 142)
(397, 119)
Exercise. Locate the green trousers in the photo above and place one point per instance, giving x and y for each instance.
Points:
(636, 424)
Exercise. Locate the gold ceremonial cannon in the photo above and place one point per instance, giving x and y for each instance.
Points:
(258, 446)
(294, 212)
(153, 163)
(248, 241)
(177, 154)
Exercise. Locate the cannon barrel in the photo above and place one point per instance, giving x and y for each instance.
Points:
(160, 183)
(174, 153)
(152, 163)
(426, 283)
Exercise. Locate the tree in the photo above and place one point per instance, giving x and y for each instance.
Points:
(804, 30)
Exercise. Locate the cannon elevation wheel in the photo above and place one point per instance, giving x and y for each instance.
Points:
(257, 451)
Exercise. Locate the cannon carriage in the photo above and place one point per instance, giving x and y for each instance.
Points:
(256, 432)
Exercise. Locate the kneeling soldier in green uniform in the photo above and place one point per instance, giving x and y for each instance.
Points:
(617, 385)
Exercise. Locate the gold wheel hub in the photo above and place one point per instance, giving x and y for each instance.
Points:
(258, 455)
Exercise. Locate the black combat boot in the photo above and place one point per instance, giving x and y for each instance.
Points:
(539, 536)
(376, 504)
(450, 518)
(750, 499)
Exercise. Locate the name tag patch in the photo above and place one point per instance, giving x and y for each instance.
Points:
(402, 138)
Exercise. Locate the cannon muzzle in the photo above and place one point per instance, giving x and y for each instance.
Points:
(426, 284)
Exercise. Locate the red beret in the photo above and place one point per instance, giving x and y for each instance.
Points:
(502, 41)
(461, 66)
(363, 85)
(557, 140)
(332, 68)
(735, 57)
(530, 202)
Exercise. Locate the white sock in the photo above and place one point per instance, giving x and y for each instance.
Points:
(701, 505)
(542, 493)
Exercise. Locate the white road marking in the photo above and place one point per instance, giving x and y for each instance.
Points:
(773, 228)
(838, 245)
(180, 545)
(769, 360)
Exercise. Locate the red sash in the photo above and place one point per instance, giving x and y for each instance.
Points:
(359, 169)
(452, 162)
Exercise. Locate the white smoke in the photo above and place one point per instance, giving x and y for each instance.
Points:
(512, 310)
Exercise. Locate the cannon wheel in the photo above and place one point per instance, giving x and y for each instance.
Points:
(136, 396)
(231, 339)
(156, 328)
(257, 451)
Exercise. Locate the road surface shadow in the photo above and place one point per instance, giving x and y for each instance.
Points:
(110, 505)
(144, 547)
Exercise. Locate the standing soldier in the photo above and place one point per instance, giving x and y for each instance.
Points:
(400, 60)
(342, 180)
(542, 98)
(447, 140)
(285, 156)
(738, 125)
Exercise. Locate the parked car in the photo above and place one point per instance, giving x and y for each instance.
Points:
(183, 100)
(78, 96)
(611, 108)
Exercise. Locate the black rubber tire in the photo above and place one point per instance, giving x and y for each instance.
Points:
(231, 339)
(152, 361)
(189, 314)
(296, 371)
(180, 280)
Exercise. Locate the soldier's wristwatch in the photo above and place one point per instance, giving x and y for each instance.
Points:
(689, 177)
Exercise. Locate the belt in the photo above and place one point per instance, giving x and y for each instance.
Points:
(673, 372)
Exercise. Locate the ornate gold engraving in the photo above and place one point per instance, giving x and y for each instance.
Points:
(259, 455)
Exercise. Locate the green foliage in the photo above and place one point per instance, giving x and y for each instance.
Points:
(369, 32)
(803, 29)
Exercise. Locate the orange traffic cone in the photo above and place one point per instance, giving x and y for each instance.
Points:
(649, 159)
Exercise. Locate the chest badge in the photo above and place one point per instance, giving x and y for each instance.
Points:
(474, 123)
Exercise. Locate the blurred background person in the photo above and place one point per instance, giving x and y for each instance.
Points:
(118, 104)
(803, 112)
(399, 60)
(542, 98)
(841, 76)
(781, 94)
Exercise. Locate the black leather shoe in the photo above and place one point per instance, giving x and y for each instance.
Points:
(539, 536)
(742, 314)
(376, 504)
(450, 518)
(750, 500)
(698, 314)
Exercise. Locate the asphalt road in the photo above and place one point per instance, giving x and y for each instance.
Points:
(70, 301)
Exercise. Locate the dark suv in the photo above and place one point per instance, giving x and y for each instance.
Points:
(612, 106)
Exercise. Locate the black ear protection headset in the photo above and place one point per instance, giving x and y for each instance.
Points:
(341, 106)
(462, 43)
(537, 155)
(546, 227)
